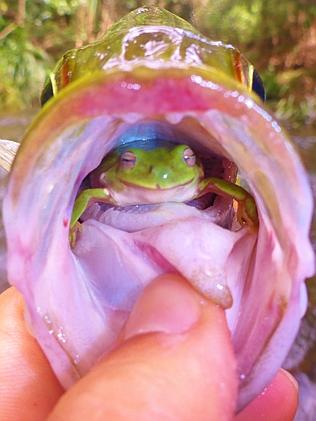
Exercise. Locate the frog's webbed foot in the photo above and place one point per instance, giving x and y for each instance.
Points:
(83, 200)
(247, 210)
(73, 233)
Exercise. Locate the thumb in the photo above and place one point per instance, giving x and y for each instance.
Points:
(176, 362)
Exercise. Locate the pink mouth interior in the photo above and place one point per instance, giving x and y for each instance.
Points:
(78, 300)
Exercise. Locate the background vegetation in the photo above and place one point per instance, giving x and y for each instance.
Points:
(279, 36)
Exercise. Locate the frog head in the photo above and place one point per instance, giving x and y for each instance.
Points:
(159, 168)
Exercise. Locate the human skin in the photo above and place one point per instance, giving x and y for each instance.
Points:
(175, 362)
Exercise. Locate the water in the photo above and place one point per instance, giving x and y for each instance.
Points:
(12, 126)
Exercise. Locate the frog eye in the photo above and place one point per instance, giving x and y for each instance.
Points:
(128, 160)
(189, 157)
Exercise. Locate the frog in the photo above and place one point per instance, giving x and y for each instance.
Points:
(166, 173)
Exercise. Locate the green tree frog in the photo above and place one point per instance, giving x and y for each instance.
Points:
(171, 173)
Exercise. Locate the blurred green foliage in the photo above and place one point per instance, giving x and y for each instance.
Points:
(27, 31)
(22, 69)
(279, 37)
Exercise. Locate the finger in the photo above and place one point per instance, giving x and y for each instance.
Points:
(278, 401)
(28, 387)
(177, 363)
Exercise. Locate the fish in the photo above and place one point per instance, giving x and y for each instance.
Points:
(151, 76)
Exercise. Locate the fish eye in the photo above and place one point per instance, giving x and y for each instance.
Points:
(189, 157)
(128, 160)
(257, 85)
(47, 92)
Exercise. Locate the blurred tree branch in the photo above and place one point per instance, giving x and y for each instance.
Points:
(21, 13)
(7, 30)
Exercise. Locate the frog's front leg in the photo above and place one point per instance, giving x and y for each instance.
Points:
(247, 209)
(82, 202)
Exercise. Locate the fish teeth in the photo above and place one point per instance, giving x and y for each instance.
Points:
(132, 117)
(174, 118)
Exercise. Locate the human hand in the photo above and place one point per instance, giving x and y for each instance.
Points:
(175, 363)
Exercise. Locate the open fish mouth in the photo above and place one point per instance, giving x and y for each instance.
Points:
(160, 204)
(79, 299)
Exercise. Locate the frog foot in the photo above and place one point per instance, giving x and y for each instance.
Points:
(247, 213)
(75, 230)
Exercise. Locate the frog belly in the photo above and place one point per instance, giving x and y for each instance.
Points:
(138, 217)
(133, 195)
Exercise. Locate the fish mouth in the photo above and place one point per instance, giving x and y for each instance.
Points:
(260, 275)
(148, 199)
